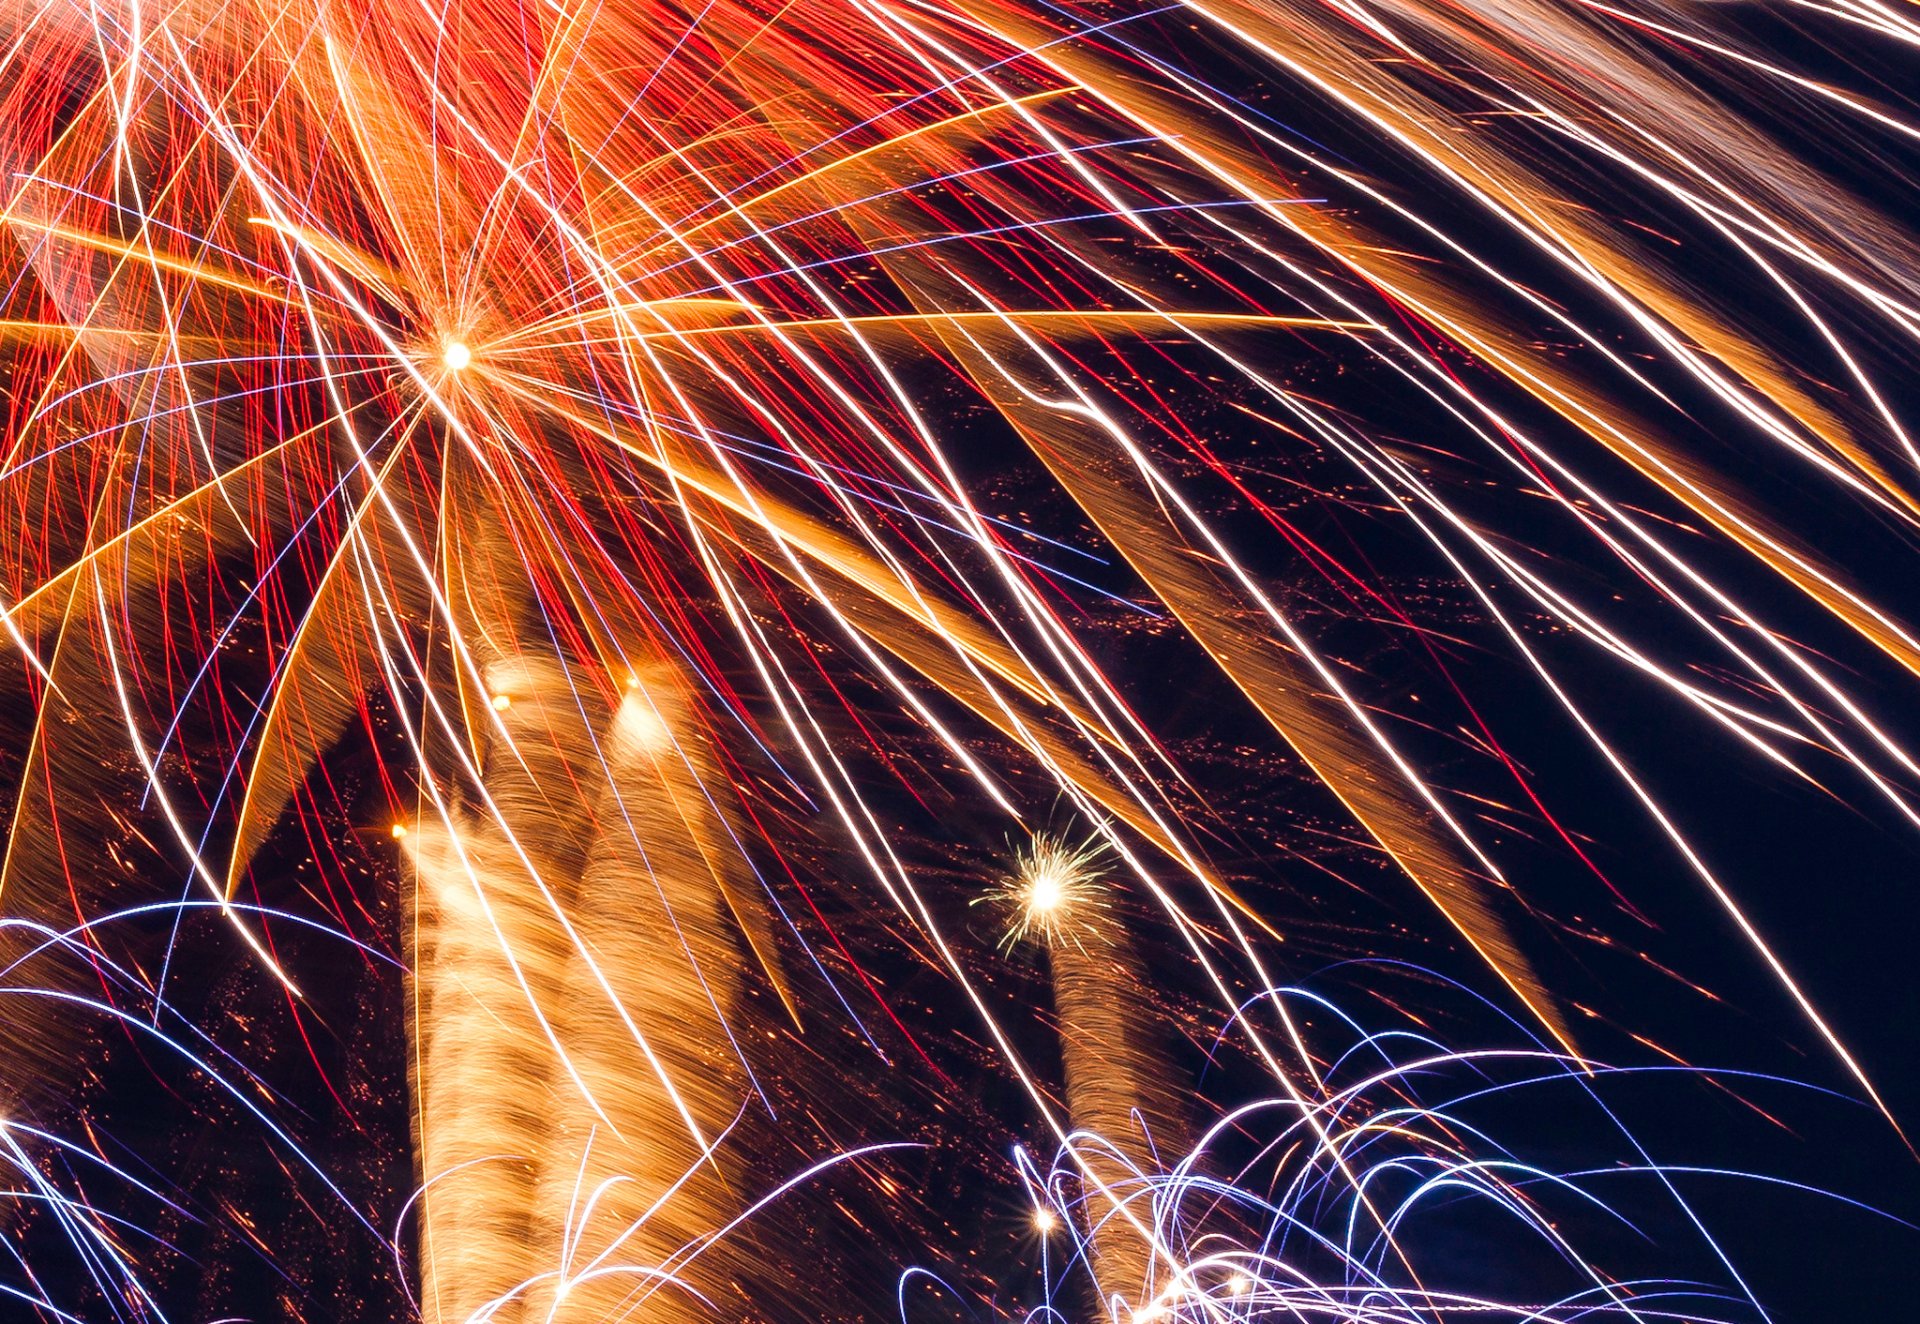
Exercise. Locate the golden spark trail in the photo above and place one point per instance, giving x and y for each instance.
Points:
(638, 1169)
(488, 986)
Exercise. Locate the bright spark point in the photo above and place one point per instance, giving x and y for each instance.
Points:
(1238, 1285)
(1045, 892)
(456, 355)
(399, 830)
(1044, 1221)
(1054, 883)
(501, 703)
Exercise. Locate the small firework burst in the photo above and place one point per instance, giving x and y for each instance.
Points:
(1056, 889)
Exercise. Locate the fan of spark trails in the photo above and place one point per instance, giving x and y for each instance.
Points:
(545, 370)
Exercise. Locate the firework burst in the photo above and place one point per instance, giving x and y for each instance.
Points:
(1055, 890)
(543, 457)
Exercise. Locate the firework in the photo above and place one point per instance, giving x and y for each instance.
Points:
(560, 436)
(1290, 1225)
(1122, 1097)
(554, 941)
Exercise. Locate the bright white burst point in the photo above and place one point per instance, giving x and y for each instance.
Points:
(1045, 892)
(1054, 889)
(456, 355)
(1044, 1221)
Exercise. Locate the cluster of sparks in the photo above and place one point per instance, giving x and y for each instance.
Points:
(575, 412)
(1053, 890)
(1292, 1234)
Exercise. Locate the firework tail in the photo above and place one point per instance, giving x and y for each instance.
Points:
(1122, 1098)
(634, 1183)
(489, 970)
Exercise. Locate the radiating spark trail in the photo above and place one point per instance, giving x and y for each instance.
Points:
(617, 448)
